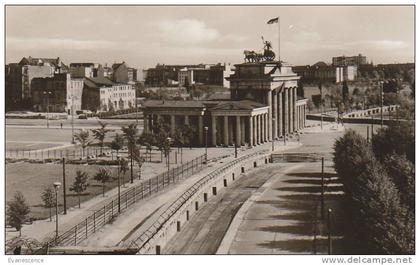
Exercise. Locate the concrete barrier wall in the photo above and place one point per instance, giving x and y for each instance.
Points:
(170, 228)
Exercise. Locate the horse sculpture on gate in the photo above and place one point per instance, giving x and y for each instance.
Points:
(268, 55)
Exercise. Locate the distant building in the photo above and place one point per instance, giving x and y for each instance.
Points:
(120, 73)
(321, 71)
(101, 94)
(18, 79)
(163, 75)
(107, 71)
(349, 60)
(59, 93)
(132, 75)
(78, 70)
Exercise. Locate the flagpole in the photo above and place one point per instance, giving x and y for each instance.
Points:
(279, 40)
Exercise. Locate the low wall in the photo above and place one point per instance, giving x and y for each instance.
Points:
(369, 112)
(189, 208)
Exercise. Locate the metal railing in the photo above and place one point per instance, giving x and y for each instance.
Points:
(106, 213)
(146, 236)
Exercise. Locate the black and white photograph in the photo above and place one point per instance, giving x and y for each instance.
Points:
(219, 129)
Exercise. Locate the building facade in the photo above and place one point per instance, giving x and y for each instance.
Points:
(59, 93)
(101, 94)
(19, 76)
(349, 60)
(78, 70)
(263, 106)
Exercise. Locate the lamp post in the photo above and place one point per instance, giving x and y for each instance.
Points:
(56, 187)
(381, 86)
(169, 151)
(119, 184)
(329, 232)
(72, 119)
(205, 140)
(272, 142)
(48, 93)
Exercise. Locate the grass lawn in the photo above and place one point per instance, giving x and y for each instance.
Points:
(31, 179)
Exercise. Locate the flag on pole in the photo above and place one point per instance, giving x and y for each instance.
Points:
(273, 20)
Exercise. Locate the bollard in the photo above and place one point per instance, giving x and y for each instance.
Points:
(157, 250)
(196, 206)
(255, 163)
(188, 215)
(265, 161)
(178, 226)
(233, 176)
(214, 191)
(225, 182)
(242, 169)
(205, 197)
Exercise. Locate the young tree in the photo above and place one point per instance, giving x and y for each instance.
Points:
(148, 140)
(100, 133)
(118, 143)
(123, 166)
(139, 159)
(80, 183)
(84, 140)
(103, 176)
(130, 134)
(17, 212)
(188, 132)
(48, 199)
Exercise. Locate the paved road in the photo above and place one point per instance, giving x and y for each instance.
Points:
(206, 230)
(262, 231)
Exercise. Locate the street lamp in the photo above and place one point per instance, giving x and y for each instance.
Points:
(56, 187)
(205, 139)
(272, 142)
(381, 90)
(168, 151)
(119, 184)
(72, 119)
(48, 93)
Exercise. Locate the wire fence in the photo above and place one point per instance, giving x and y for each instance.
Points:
(108, 212)
(70, 153)
(76, 153)
(146, 236)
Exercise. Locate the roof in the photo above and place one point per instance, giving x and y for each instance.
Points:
(96, 82)
(81, 64)
(173, 104)
(239, 105)
(117, 65)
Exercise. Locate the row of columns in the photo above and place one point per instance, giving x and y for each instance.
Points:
(283, 112)
(301, 116)
(239, 129)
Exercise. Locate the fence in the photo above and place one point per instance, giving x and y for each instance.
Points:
(105, 214)
(74, 153)
(71, 153)
(145, 237)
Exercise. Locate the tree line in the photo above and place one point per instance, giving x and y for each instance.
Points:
(378, 178)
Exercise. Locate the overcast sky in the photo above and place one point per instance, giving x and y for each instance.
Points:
(144, 36)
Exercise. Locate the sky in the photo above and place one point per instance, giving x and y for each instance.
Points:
(143, 36)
